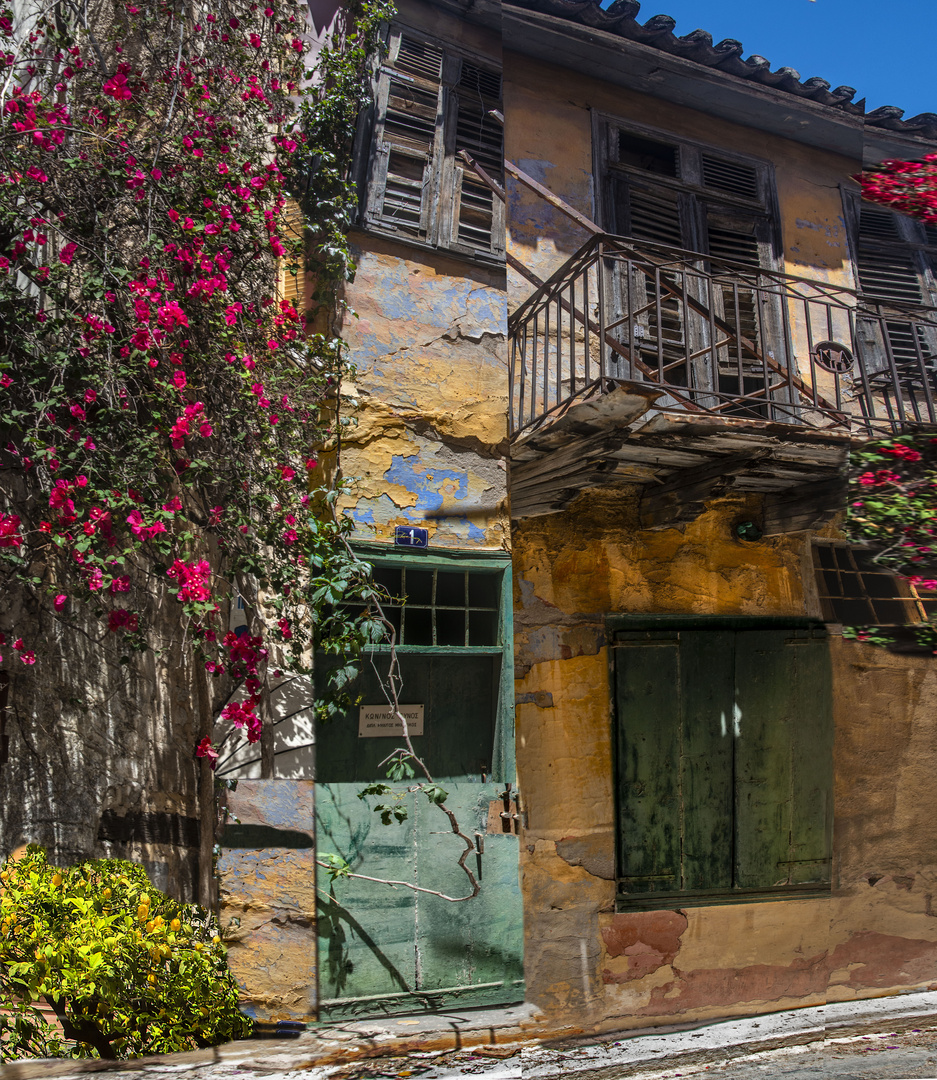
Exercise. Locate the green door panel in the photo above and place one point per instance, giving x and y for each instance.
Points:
(647, 673)
(471, 950)
(459, 696)
(365, 932)
(763, 765)
(724, 743)
(707, 684)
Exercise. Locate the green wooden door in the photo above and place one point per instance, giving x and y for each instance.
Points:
(724, 743)
(391, 950)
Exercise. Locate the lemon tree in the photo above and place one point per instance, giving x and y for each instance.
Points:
(127, 969)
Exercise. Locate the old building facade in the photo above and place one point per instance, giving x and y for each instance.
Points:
(619, 318)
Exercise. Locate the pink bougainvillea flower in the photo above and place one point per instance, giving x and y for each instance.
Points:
(28, 657)
(205, 749)
(287, 472)
(179, 378)
(117, 88)
(68, 253)
(60, 601)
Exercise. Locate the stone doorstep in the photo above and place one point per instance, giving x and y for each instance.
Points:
(517, 1028)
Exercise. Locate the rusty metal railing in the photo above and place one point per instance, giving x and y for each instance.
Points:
(719, 338)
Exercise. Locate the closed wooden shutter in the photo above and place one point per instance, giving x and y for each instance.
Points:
(885, 265)
(478, 215)
(292, 275)
(733, 177)
(724, 749)
(407, 140)
(888, 268)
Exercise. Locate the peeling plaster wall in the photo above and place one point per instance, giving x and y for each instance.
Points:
(428, 443)
(587, 965)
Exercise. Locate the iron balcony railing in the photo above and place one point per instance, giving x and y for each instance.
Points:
(721, 339)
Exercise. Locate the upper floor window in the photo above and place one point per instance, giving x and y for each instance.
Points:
(432, 103)
(663, 190)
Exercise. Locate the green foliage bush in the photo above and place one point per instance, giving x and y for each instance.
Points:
(127, 970)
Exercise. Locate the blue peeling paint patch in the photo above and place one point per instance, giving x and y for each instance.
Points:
(363, 517)
(424, 480)
(475, 533)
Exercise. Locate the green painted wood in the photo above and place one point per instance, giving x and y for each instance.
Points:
(812, 812)
(365, 934)
(707, 679)
(479, 941)
(648, 693)
(727, 725)
(386, 951)
(763, 759)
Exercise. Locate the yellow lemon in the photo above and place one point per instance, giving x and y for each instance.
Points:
(216, 940)
(198, 946)
(175, 924)
(56, 880)
(151, 979)
(107, 894)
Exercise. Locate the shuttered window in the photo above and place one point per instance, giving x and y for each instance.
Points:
(895, 260)
(292, 268)
(432, 104)
(724, 761)
(682, 195)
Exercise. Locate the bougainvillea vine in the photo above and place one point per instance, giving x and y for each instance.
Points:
(162, 408)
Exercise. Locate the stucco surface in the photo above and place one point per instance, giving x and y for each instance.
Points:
(428, 438)
(875, 934)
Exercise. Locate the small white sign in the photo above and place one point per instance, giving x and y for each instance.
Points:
(375, 721)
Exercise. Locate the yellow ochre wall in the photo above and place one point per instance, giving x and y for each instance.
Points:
(592, 969)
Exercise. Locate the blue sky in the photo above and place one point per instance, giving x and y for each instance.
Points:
(885, 50)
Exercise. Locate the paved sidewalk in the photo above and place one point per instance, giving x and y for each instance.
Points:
(504, 1044)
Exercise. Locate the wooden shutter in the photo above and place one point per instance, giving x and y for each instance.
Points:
(477, 213)
(885, 265)
(292, 272)
(733, 177)
(888, 268)
(407, 143)
(647, 669)
(783, 761)
(724, 749)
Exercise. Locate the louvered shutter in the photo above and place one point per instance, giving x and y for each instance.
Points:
(733, 177)
(889, 269)
(292, 270)
(743, 242)
(885, 265)
(652, 215)
(477, 213)
(404, 166)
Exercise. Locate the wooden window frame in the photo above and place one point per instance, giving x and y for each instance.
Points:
(444, 178)
(905, 592)
(696, 199)
(659, 630)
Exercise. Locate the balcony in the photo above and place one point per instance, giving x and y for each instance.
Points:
(639, 364)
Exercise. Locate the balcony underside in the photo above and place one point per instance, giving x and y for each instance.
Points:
(680, 459)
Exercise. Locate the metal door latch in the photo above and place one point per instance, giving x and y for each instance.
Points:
(505, 814)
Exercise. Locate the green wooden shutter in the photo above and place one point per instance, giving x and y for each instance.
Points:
(647, 673)
(707, 679)
(783, 760)
(724, 744)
